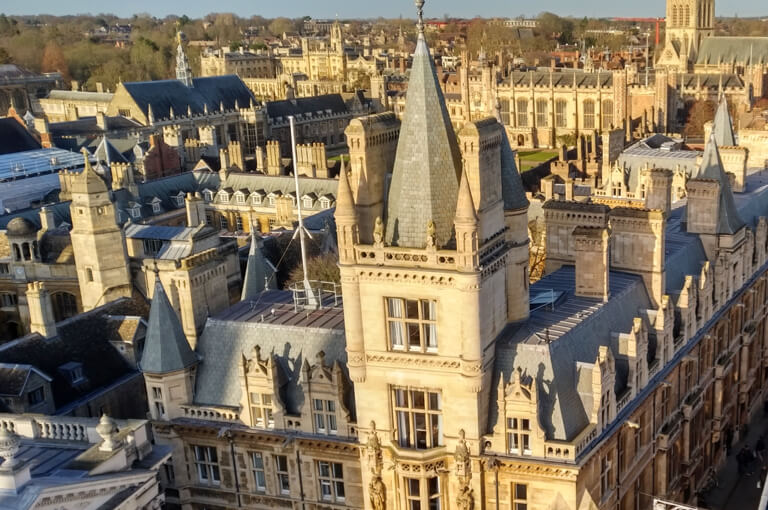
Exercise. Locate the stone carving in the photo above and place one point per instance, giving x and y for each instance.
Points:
(465, 500)
(373, 447)
(378, 493)
(378, 232)
(461, 457)
(430, 234)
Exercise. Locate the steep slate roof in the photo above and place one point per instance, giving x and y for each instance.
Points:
(294, 337)
(316, 105)
(512, 190)
(425, 178)
(212, 91)
(746, 50)
(166, 348)
(712, 168)
(551, 342)
(14, 377)
(565, 79)
(722, 127)
(83, 339)
(15, 138)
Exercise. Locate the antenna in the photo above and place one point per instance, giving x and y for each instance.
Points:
(310, 295)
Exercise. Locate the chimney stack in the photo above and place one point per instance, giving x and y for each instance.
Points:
(40, 310)
(195, 209)
(592, 247)
(47, 221)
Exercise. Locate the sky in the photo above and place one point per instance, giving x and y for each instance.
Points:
(370, 8)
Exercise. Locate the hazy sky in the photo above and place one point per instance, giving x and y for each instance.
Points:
(369, 8)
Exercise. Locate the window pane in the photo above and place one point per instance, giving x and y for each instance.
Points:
(319, 421)
(400, 400)
(330, 405)
(430, 335)
(332, 423)
(434, 486)
(266, 399)
(340, 490)
(521, 491)
(396, 333)
(318, 404)
(338, 470)
(324, 470)
(414, 339)
(526, 424)
(412, 309)
(403, 429)
(212, 454)
(428, 310)
(395, 307)
(413, 487)
(417, 398)
(215, 473)
(420, 427)
(434, 401)
(258, 461)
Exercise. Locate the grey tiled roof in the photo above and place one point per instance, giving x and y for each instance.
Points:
(551, 342)
(425, 179)
(512, 191)
(294, 337)
(166, 348)
(712, 168)
(562, 79)
(747, 50)
(258, 275)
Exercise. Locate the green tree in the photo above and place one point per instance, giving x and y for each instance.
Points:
(280, 25)
(323, 268)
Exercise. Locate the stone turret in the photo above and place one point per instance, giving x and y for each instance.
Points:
(41, 319)
(467, 228)
(168, 362)
(592, 247)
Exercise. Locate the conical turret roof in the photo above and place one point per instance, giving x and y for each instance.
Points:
(256, 272)
(89, 180)
(425, 179)
(723, 125)
(166, 348)
(712, 168)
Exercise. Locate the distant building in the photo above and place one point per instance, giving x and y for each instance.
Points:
(20, 87)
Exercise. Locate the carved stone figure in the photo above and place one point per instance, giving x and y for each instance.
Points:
(465, 500)
(461, 456)
(430, 234)
(378, 493)
(378, 232)
(373, 447)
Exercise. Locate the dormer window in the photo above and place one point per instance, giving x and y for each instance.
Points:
(73, 371)
(519, 436)
(272, 197)
(240, 198)
(257, 198)
(223, 196)
(325, 202)
(135, 212)
(208, 195)
(179, 200)
(261, 410)
(156, 207)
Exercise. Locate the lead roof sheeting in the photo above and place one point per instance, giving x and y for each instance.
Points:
(577, 326)
(227, 338)
(35, 162)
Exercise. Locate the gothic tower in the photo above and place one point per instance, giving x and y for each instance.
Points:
(427, 292)
(688, 23)
(97, 241)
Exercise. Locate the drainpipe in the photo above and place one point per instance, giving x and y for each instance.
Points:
(228, 434)
(301, 479)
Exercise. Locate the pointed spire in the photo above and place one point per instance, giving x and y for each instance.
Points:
(166, 348)
(419, 17)
(465, 206)
(425, 178)
(711, 168)
(150, 115)
(171, 113)
(183, 71)
(345, 202)
(722, 128)
(89, 180)
(257, 274)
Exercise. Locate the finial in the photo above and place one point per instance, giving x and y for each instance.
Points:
(420, 16)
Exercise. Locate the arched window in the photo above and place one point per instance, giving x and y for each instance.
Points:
(561, 113)
(675, 15)
(64, 305)
(687, 16)
(607, 113)
(589, 114)
(522, 112)
(542, 113)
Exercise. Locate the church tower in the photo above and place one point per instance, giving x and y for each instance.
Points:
(688, 23)
(427, 292)
(97, 241)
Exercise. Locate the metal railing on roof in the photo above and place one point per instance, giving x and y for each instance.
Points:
(319, 295)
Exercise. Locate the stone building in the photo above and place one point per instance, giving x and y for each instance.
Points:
(88, 252)
(21, 87)
(80, 462)
(619, 376)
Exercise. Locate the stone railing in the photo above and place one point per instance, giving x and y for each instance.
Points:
(211, 413)
(405, 257)
(653, 368)
(585, 440)
(559, 451)
(56, 428)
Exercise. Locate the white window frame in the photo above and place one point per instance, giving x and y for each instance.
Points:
(324, 416)
(207, 465)
(258, 471)
(283, 475)
(401, 326)
(418, 412)
(262, 411)
(519, 436)
(330, 476)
